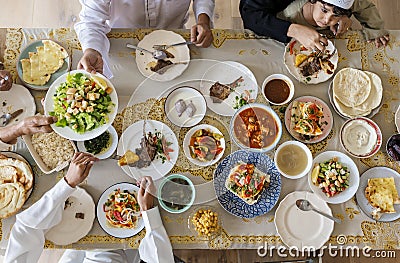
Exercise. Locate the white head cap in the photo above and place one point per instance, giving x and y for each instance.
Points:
(345, 4)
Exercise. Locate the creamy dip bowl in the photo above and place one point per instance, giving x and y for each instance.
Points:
(361, 137)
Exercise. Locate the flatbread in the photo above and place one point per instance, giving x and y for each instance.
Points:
(382, 194)
(27, 74)
(24, 172)
(8, 174)
(351, 86)
(52, 57)
(12, 198)
(350, 112)
(375, 95)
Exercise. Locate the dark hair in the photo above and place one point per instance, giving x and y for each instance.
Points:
(336, 10)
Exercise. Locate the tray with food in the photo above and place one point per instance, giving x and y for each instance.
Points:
(247, 184)
(41, 63)
(378, 195)
(308, 66)
(308, 119)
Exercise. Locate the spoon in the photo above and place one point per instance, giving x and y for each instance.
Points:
(157, 54)
(304, 205)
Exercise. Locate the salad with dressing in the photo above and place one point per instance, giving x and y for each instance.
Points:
(82, 103)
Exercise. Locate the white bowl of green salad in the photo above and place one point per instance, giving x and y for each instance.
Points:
(85, 105)
(103, 146)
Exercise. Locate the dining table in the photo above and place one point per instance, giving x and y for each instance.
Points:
(143, 98)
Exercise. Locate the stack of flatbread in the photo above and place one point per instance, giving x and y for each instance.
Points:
(16, 179)
(382, 194)
(356, 93)
(48, 59)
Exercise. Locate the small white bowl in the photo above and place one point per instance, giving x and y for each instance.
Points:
(186, 143)
(285, 78)
(111, 148)
(305, 150)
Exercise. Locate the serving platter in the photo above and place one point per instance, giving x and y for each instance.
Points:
(362, 201)
(72, 228)
(101, 215)
(130, 140)
(326, 120)
(226, 72)
(289, 60)
(235, 205)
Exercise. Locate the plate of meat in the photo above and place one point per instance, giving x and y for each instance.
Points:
(147, 147)
(227, 86)
(308, 66)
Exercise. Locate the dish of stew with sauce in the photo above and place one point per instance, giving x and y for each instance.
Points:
(255, 128)
(277, 90)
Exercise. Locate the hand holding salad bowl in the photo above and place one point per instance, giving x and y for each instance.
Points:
(85, 105)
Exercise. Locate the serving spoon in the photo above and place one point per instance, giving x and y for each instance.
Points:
(304, 205)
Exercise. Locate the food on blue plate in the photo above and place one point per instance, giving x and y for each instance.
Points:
(219, 92)
(247, 182)
(331, 176)
(382, 194)
(255, 128)
(121, 209)
(306, 118)
(205, 145)
(99, 144)
(82, 103)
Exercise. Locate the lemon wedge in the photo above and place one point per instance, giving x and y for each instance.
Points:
(101, 82)
(314, 174)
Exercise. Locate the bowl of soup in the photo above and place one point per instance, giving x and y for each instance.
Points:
(256, 127)
(293, 159)
(278, 89)
(176, 193)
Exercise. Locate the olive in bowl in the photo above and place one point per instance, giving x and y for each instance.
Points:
(176, 193)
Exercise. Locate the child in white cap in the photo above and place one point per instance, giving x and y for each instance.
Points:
(302, 19)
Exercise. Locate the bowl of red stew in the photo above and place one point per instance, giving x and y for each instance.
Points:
(256, 127)
(278, 89)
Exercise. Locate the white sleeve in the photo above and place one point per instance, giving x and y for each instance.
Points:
(204, 6)
(155, 247)
(27, 235)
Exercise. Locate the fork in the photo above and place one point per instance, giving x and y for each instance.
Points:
(165, 47)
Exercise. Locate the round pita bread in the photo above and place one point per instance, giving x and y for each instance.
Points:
(351, 86)
(350, 112)
(375, 96)
(22, 168)
(12, 198)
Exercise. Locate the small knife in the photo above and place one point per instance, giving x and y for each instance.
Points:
(15, 114)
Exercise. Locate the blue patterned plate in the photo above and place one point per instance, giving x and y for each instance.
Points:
(235, 205)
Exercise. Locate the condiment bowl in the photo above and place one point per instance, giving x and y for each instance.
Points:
(293, 160)
(278, 89)
(272, 127)
(360, 137)
(393, 147)
(176, 188)
(108, 151)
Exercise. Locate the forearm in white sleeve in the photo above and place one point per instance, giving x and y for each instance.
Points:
(155, 247)
(27, 235)
(204, 7)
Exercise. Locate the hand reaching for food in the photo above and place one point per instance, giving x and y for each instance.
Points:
(145, 195)
(342, 26)
(308, 37)
(380, 41)
(79, 168)
(92, 61)
(5, 80)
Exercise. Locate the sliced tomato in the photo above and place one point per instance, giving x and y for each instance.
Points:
(291, 47)
(118, 215)
(247, 180)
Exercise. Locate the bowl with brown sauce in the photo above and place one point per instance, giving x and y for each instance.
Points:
(256, 127)
(278, 89)
(176, 193)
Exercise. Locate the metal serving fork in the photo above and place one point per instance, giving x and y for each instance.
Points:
(165, 47)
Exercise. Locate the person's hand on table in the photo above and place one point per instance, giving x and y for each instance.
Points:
(308, 37)
(146, 193)
(79, 168)
(5, 80)
(380, 41)
(91, 61)
(200, 33)
(342, 26)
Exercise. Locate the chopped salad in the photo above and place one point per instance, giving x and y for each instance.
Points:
(82, 103)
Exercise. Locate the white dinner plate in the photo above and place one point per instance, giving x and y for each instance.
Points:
(188, 95)
(71, 228)
(130, 140)
(67, 132)
(226, 72)
(354, 179)
(321, 76)
(186, 143)
(160, 37)
(111, 149)
(377, 172)
(301, 229)
(18, 97)
(101, 215)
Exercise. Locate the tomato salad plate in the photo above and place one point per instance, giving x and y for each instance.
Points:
(308, 119)
(247, 184)
(118, 212)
